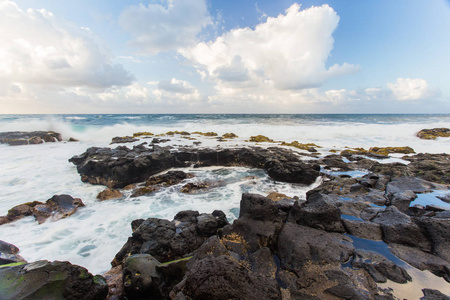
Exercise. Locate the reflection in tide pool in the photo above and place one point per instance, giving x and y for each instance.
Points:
(431, 199)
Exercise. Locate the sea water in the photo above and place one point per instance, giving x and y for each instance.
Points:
(95, 233)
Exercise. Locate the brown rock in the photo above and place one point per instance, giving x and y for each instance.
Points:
(108, 194)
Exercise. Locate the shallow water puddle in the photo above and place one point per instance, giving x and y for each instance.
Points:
(420, 279)
(431, 199)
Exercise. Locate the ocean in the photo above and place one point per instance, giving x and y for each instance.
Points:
(95, 233)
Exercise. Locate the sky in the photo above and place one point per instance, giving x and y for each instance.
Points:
(216, 56)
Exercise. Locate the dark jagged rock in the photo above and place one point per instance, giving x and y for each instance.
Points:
(363, 229)
(168, 179)
(140, 278)
(119, 167)
(399, 228)
(58, 207)
(168, 240)
(422, 260)
(50, 280)
(144, 191)
(16, 138)
(379, 267)
(429, 294)
(222, 277)
(191, 187)
(295, 172)
(9, 254)
(437, 230)
(257, 227)
(445, 198)
(299, 245)
(317, 212)
(431, 167)
(392, 169)
(114, 279)
(123, 139)
(416, 185)
(109, 194)
(345, 291)
(335, 162)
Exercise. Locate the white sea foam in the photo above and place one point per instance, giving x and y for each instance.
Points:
(94, 234)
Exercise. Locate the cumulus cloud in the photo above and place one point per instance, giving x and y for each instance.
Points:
(407, 89)
(165, 27)
(288, 52)
(39, 49)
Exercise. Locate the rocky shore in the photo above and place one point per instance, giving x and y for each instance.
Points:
(278, 248)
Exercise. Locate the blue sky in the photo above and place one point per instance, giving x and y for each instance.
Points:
(204, 56)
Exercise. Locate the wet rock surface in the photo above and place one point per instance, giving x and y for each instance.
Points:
(121, 166)
(279, 247)
(17, 138)
(170, 240)
(9, 254)
(50, 280)
(58, 207)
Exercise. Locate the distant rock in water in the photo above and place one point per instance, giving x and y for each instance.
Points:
(432, 134)
(58, 207)
(16, 138)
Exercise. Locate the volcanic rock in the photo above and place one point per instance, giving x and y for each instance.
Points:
(50, 280)
(58, 207)
(9, 254)
(15, 138)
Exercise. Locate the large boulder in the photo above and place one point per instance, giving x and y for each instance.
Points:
(299, 245)
(438, 231)
(222, 277)
(400, 228)
(295, 172)
(50, 280)
(318, 212)
(140, 278)
(169, 240)
(363, 229)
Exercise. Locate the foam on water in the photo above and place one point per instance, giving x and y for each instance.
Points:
(95, 233)
(329, 131)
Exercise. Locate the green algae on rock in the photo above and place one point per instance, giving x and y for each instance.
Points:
(260, 139)
(310, 147)
(432, 134)
(229, 135)
(143, 133)
(210, 133)
(379, 151)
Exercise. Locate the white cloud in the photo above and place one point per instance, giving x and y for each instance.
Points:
(158, 28)
(37, 48)
(176, 86)
(288, 52)
(406, 89)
